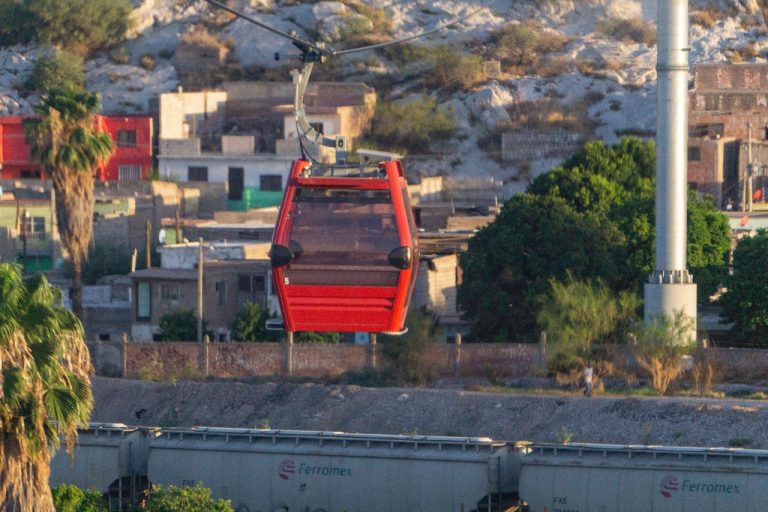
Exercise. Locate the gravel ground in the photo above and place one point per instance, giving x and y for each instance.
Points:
(635, 420)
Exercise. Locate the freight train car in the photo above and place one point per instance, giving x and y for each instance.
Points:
(110, 458)
(328, 471)
(610, 478)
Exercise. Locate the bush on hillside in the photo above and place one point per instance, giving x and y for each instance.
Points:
(63, 69)
(410, 125)
(635, 31)
(452, 69)
(81, 26)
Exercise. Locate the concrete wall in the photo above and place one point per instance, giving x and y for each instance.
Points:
(181, 113)
(436, 285)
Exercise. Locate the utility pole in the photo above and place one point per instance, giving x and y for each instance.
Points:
(148, 241)
(178, 227)
(200, 290)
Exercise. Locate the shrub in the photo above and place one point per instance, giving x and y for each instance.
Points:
(517, 44)
(79, 25)
(69, 498)
(579, 316)
(706, 17)
(180, 326)
(148, 61)
(16, 23)
(636, 31)
(317, 337)
(707, 369)
(411, 125)
(250, 324)
(63, 69)
(187, 499)
(405, 54)
(407, 353)
(660, 347)
(453, 70)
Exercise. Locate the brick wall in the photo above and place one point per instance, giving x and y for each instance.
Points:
(160, 358)
(328, 360)
(244, 359)
(749, 77)
(489, 360)
(533, 145)
(263, 359)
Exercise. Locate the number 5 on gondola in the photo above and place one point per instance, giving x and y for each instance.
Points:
(345, 251)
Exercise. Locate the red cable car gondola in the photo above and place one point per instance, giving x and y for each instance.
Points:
(345, 251)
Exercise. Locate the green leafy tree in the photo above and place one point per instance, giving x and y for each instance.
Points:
(406, 353)
(509, 263)
(745, 303)
(17, 24)
(46, 392)
(69, 498)
(62, 70)
(582, 317)
(180, 326)
(410, 125)
(184, 499)
(80, 25)
(69, 149)
(250, 324)
(592, 216)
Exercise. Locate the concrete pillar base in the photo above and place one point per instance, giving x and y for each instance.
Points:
(666, 299)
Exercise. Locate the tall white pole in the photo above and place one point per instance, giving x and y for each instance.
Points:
(670, 288)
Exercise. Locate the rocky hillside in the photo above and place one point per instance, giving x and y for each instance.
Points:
(599, 80)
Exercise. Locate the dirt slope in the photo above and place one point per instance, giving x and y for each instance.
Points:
(670, 421)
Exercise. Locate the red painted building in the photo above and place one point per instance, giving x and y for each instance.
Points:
(131, 159)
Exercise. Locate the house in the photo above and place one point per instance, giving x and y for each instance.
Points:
(252, 180)
(245, 136)
(728, 110)
(131, 159)
(234, 273)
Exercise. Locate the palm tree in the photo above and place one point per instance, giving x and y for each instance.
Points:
(69, 150)
(45, 391)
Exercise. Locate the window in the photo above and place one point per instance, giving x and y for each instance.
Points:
(169, 292)
(694, 154)
(129, 172)
(248, 283)
(197, 174)
(143, 301)
(126, 138)
(30, 174)
(34, 227)
(271, 182)
(221, 290)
